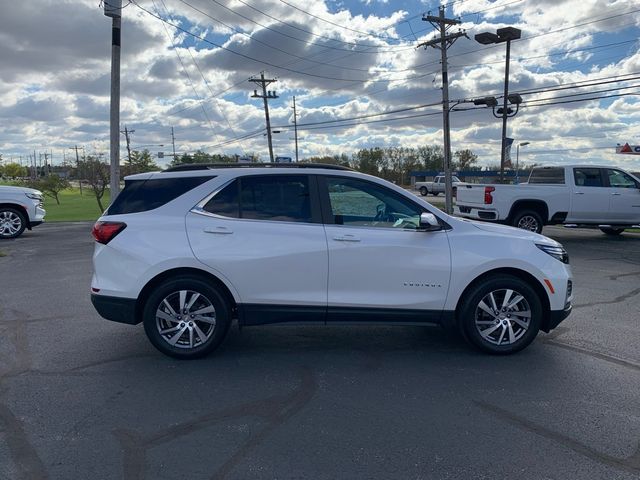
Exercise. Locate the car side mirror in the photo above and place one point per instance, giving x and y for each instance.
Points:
(429, 222)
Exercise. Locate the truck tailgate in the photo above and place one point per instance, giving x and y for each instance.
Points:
(471, 195)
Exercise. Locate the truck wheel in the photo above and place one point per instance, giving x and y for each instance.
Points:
(12, 222)
(612, 230)
(500, 315)
(528, 220)
(435, 194)
(424, 191)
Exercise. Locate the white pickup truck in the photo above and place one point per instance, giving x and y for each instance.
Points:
(584, 195)
(437, 186)
(20, 208)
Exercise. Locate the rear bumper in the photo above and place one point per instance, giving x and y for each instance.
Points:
(116, 309)
(555, 318)
(475, 213)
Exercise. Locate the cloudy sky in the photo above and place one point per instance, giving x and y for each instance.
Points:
(353, 66)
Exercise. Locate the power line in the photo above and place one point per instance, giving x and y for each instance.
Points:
(383, 37)
(263, 62)
(253, 39)
(183, 67)
(204, 79)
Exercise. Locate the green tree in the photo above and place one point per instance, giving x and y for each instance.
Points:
(97, 174)
(431, 156)
(140, 162)
(465, 160)
(369, 160)
(51, 185)
(15, 170)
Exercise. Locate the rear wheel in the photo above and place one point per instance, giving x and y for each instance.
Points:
(12, 222)
(528, 220)
(501, 315)
(424, 191)
(435, 194)
(186, 317)
(612, 230)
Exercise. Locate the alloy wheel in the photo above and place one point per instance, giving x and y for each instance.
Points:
(10, 223)
(503, 317)
(185, 319)
(528, 222)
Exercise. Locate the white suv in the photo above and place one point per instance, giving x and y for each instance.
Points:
(20, 208)
(187, 250)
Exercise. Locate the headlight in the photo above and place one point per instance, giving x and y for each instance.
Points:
(556, 251)
(34, 196)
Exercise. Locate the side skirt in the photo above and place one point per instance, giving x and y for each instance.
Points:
(263, 314)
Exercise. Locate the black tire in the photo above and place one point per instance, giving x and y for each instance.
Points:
(612, 230)
(435, 194)
(12, 222)
(423, 191)
(470, 312)
(190, 343)
(528, 220)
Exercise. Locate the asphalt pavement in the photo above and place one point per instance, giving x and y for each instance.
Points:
(85, 398)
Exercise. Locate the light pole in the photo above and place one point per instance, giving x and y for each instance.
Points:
(521, 144)
(502, 35)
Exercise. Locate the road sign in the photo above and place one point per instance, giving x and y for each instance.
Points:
(628, 149)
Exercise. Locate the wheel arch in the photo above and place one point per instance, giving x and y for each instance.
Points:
(20, 208)
(516, 272)
(538, 206)
(182, 271)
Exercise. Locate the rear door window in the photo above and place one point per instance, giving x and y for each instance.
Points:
(588, 177)
(283, 198)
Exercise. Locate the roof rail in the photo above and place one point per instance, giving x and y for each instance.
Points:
(211, 166)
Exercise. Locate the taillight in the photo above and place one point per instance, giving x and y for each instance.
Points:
(488, 199)
(104, 232)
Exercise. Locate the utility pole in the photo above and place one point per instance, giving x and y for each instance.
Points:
(78, 167)
(173, 142)
(265, 96)
(295, 125)
(126, 136)
(443, 24)
(113, 9)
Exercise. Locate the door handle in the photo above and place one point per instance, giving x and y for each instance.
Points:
(616, 193)
(346, 238)
(218, 230)
(579, 193)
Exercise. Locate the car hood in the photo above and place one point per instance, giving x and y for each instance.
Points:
(9, 189)
(506, 230)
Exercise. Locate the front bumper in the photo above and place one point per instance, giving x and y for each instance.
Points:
(116, 309)
(555, 318)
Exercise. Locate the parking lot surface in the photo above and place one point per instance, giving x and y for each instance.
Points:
(82, 397)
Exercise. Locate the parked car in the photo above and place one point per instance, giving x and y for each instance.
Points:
(584, 195)
(187, 250)
(20, 208)
(438, 186)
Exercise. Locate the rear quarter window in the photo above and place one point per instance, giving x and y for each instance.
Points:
(548, 176)
(144, 195)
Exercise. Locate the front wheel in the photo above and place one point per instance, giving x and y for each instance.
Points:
(424, 191)
(528, 220)
(186, 317)
(501, 315)
(612, 230)
(12, 222)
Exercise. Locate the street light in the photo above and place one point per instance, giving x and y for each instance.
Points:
(521, 144)
(502, 35)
